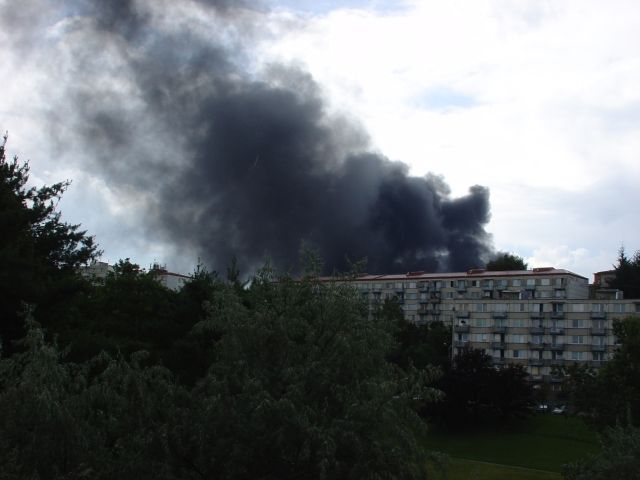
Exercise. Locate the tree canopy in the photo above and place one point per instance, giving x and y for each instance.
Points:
(39, 253)
(506, 262)
(627, 272)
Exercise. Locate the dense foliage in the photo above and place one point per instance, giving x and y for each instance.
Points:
(476, 393)
(299, 387)
(611, 395)
(620, 457)
(39, 253)
(505, 262)
(627, 276)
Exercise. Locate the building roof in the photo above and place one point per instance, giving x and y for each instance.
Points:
(473, 273)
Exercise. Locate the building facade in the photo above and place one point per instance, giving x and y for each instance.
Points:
(542, 318)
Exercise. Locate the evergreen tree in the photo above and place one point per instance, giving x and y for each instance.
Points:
(39, 253)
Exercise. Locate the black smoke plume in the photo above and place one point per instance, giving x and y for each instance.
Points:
(231, 159)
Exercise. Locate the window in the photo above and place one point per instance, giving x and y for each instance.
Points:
(411, 296)
(481, 307)
(558, 307)
(577, 339)
(578, 307)
(481, 337)
(412, 284)
(480, 322)
(536, 339)
(537, 307)
(475, 283)
(577, 323)
(448, 295)
(598, 356)
(517, 354)
(545, 282)
(519, 322)
(577, 355)
(597, 307)
(518, 339)
(399, 286)
(558, 282)
(531, 282)
(475, 295)
(516, 282)
(500, 307)
(618, 307)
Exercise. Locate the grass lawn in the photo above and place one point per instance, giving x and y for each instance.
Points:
(544, 442)
(460, 469)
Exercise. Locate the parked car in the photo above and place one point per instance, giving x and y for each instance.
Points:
(559, 410)
(542, 407)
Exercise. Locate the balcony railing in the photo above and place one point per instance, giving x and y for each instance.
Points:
(598, 315)
(598, 331)
(536, 346)
(462, 328)
(499, 315)
(598, 348)
(537, 314)
(536, 362)
(498, 329)
(498, 345)
(557, 315)
(536, 330)
(462, 315)
(556, 346)
(556, 331)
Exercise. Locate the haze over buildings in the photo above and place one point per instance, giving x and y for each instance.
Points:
(207, 129)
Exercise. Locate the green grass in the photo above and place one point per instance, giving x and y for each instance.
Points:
(460, 469)
(544, 442)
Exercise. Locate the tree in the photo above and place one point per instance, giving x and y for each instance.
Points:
(476, 393)
(611, 395)
(302, 383)
(506, 262)
(422, 345)
(620, 457)
(627, 276)
(39, 253)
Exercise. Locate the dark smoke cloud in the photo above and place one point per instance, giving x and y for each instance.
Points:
(246, 164)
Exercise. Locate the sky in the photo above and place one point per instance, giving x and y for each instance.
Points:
(537, 102)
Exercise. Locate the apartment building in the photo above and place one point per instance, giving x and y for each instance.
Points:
(541, 318)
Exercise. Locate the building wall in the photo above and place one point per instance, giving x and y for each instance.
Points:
(541, 318)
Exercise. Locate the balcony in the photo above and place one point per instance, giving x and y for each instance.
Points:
(537, 314)
(557, 315)
(598, 331)
(556, 362)
(498, 345)
(598, 315)
(461, 343)
(536, 346)
(423, 288)
(498, 329)
(536, 362)
(536, 330)
(598, 348)
(462, 314)
(555, 347)
(556, 331)
(462, 328)
(462, 288)
(499, 315)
